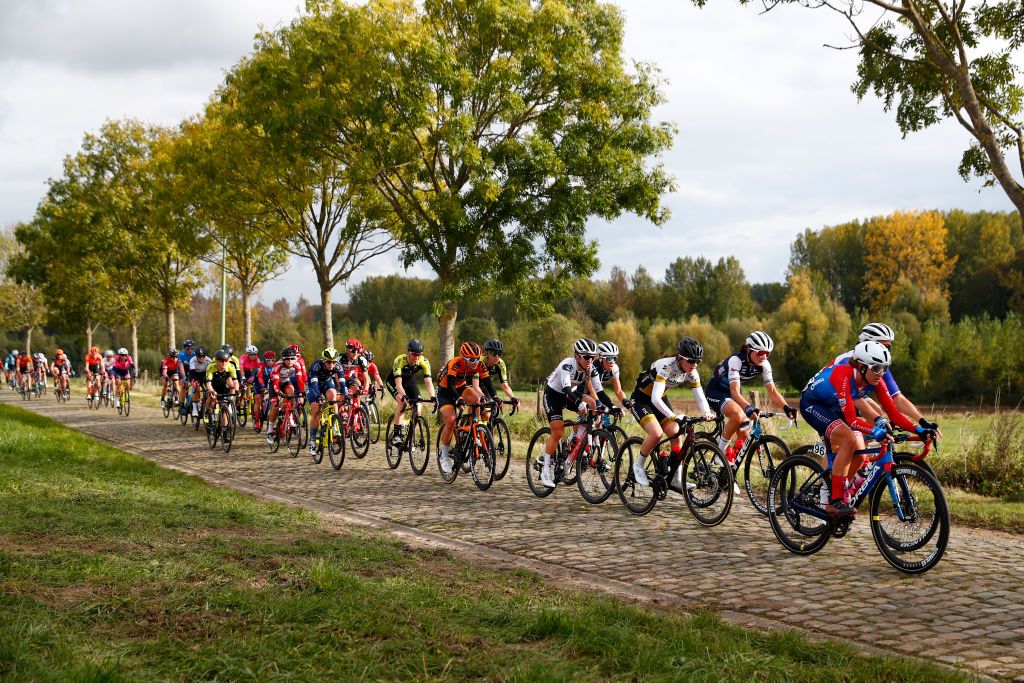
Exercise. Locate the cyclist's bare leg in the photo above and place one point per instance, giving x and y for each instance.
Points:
(733, 417)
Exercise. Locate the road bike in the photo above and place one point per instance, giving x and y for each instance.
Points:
(330, 437)
(244, 404)
(908, 513)
(124, 400)
(170, 402)
(286, 427)
(373, 410)
(704, 473)
(223, 411)
(585, 458)
(415, 438)
(355, 422)
(472, 446)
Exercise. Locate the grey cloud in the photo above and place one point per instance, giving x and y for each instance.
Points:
(114, 36)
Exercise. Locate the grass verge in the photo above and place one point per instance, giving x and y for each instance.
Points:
(112, 568)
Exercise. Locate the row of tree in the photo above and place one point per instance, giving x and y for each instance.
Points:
(475, 137)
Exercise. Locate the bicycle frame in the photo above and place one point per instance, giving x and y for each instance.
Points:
(881, 466)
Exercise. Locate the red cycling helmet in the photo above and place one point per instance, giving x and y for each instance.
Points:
(354, 344)
(269, 355)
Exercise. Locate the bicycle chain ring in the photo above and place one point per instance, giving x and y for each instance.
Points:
(842, 527)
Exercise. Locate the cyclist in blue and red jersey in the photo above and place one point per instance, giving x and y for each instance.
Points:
(884, 335)
(184, 359)
(827, 404)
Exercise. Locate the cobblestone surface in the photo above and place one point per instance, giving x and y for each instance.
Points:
(968, 611)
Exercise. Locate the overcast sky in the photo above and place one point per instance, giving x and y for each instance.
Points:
(771, 140)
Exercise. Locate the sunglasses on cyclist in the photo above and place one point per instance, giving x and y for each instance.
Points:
(878, 368)
(472, 361)
(762, 354)
(610, 359)
(691, 361)
(586, 356)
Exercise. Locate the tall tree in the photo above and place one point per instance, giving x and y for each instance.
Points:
(945, 59)
(837, 253)
(493, 129)
(908, 244)
(22, 307)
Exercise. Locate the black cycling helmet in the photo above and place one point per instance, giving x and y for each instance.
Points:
(690, 349)
(288, 352)
(494, 346)
(171, 351)
(200, 351)
(229, 348)
(414, 346)
(222, 355)
(188, 344)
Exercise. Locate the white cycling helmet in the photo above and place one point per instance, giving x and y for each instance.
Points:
(873, 354)
(38, 356)
(251, 349)
(108, 352)
(608, 348)
(122, 351)
(585, 346)
(877, 332)
(759, 341)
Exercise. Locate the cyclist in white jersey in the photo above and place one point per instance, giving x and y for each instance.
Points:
(653, 411)
(574, 384)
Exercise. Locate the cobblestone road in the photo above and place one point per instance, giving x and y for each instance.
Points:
(968, 611)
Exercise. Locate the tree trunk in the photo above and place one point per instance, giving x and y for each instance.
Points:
(246, 316)
(135, 343)
(447, 325)
(88, 334)
(171, 332)
(28, 340)
(326, 324)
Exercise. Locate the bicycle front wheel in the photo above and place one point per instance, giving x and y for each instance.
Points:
(637, 498)
(595, 467)
(292, 438)
(335, 445)
(762, 459)
(166, 406)
(419, 451)
(210, 423)
(502, 447)
(360, 434)
(227, 434)
(795, 490)
(535, 462)
(709, 499)
(481, 453)
(127, 403)
(910, 519)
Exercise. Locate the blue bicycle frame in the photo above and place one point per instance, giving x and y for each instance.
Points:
(880, 469)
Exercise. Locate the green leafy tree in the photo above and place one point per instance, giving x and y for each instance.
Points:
(626, 333)
(22, 307)
(837, 253)
(810, 329)
(768, 296)
(383, 298)
(934, 60)
(493, 129)
(985, 245)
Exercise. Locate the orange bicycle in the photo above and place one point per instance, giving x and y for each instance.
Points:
(472, 447)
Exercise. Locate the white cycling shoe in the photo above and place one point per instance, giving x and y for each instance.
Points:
(270, 437)
(547, 476)
(640, 474)
(446, 464)
(677, 482)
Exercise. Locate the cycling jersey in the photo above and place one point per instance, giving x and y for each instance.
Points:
(569, 378)
(10, 361)
(123, 367)
(108, 364)
(401, 367)
(322, 378)
(61, 364)
(607, 370)
(262, 380)
(94, 362)
(219, 378)
(24, 362)
(295, 375)
(498, 371)
(374, 373)
(353, 369)
(198, 367)
(184, 359)
(664, 374)
(169, 365)
(833, 390)
(890, 382)
(249, 365)
(456, 373)
(738, 368)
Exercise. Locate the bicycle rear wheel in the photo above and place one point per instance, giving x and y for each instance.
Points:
(762, 459)
(910, 521)
(535, 462)
(392, 453)
(453, 453)
(419, 453)
(481, 454)
(595, 467)
(502, 447)
(710, 500)
(638, 499)
(796, 488)
(302, 425)
(166, 406)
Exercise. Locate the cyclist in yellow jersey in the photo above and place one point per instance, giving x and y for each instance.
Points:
(401, 382)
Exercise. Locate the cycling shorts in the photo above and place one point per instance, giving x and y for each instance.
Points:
(197, 376)
(717, 399)
(822, 418)
(95, 369)
(315, 390)
(644, 410)
(555, 403)
(409, 385)
(172, 376)
(448, 397)
(118, 373)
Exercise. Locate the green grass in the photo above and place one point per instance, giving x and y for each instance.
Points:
(112, 568)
